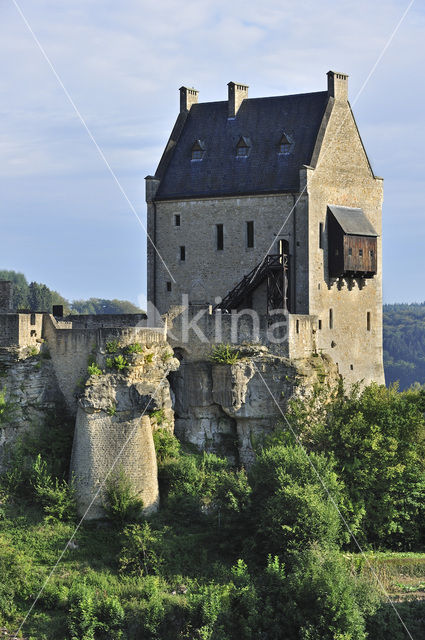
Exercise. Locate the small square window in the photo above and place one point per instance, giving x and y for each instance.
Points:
(176, 219)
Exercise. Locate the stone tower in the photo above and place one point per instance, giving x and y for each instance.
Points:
(271, 203)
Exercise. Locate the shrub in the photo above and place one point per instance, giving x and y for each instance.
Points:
(136, 347)
(289, 506)
(6, 408)
(81, 619)
(122, 504)
(112, 346)
(377, 437)
(56, 496)
(94, 370)
(166, 445)
(224, 354)
(140, 553)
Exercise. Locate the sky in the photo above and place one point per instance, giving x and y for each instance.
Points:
(64, 219)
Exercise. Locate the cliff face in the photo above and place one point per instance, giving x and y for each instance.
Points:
(226, 408)
(28, 384)
(116, 415)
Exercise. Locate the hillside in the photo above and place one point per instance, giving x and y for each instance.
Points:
(404, 343)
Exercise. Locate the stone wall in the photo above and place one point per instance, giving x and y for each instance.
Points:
(207, 273)
(343, 176)
(116, 415)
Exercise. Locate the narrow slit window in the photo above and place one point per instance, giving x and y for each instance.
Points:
(168, 286)
(368, 321)
(350, 251)
(177, 220)
(321, 235)
(331, 318)
(320, 325)
(182, 254)
(32, 319)
(250, 234)
(219, 237)
(298, 326)
(361, 253)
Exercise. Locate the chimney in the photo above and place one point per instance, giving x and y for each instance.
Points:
(188, 97)
(337, 85)
(237, 94)
(5, 296)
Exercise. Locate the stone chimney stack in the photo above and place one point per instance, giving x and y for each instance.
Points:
(5, 296)
(237, 94)
(337, 85)
(188, 97)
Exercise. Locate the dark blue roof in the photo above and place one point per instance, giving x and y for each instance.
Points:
(264, 170)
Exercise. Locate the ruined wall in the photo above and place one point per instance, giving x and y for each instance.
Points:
(71, 347)
(117, 412)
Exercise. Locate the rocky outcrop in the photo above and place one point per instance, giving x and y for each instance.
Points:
(30, 390)
(226, 408)
(117, 413)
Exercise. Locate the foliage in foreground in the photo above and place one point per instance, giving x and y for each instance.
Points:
(230, 555)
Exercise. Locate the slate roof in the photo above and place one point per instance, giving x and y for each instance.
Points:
(352, 221)
(264, 170)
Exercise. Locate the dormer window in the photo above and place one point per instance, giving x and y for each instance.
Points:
(285, 145)
(198, 150)
(243, 147)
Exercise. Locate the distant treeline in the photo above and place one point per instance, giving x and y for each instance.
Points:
(38, 297)
(404, 343)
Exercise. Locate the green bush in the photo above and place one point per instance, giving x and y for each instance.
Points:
(119, 363)
(81, 619)
(136, 347)
(289, 506)
(112, 347)
(6, 408)
(94, 370)
(122, 504)
(57, 497)
(140, 554)
(166, 445)
(377, 438)
(224, 354)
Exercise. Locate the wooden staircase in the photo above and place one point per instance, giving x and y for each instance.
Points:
(274, 269)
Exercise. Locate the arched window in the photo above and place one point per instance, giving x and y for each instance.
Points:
(198, 150)
(243, 147)
(285, 144)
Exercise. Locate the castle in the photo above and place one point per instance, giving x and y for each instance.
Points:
(262, 211)
(271, 204)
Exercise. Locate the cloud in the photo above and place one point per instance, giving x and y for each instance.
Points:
(123, 63)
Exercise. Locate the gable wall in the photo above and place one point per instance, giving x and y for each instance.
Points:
(342, 176)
